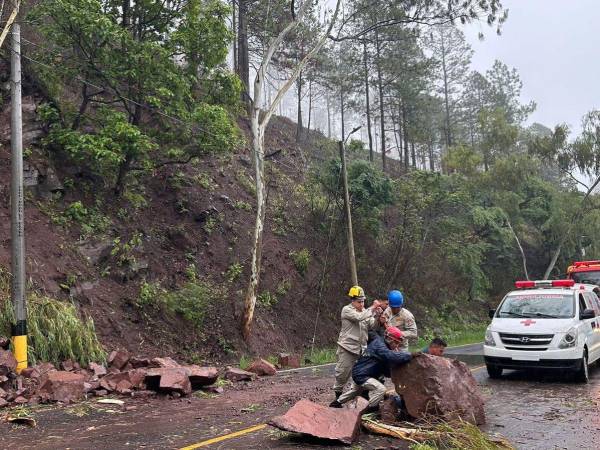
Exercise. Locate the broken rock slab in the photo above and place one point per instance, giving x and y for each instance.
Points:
(306, 417)
(441, 387)
(262, 368)
(98, 369)
(61, 386)
(234, 374)
(169, 379)
(201, 376)
(165, 362)
(124, 382)
(118, 359)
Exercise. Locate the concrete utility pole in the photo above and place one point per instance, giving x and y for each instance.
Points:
(348, 216)
(19, 332)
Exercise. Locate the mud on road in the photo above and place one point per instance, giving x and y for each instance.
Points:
(532, 411)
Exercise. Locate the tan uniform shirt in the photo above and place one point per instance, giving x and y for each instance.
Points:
(405, 321)
(355, 329)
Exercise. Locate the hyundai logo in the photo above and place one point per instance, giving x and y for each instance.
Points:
(524, 339)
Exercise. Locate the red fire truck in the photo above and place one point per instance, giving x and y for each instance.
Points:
(585, 272)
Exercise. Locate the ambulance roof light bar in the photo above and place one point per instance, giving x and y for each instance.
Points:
(586, 263)
(544, 284)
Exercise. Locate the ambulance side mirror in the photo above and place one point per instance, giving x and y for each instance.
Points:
(587, 314)
(491, 313)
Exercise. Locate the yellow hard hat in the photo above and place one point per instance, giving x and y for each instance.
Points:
(356, 291)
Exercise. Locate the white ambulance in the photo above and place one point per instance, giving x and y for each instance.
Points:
(545, 325)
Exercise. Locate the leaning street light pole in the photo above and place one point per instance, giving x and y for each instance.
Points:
(19, 331)
(351, 255)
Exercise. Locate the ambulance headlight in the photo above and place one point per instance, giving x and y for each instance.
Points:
(569, 339)
(489, 338)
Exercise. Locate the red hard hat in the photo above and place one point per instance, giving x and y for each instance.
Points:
(394, 333)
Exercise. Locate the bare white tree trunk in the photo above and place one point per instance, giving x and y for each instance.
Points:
(523, 257)
(258, 127)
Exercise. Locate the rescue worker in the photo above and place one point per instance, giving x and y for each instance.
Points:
(381, 355)
(352, 341)
(436, 347)
(401, 318)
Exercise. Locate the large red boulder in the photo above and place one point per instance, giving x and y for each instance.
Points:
(8, 363)
(339, 424)
(262, 367)
(440, 387)
(61, 386)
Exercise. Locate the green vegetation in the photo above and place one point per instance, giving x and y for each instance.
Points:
(244, 362)
(191, 301)
(246, 182)
(321, 356)
(234, 271)
(453, 336)
(124, 252)
(56, 331)
(301, 259)
(245, 206)
(133, 68)
(151, 296)
(461, 435)
(267, 299)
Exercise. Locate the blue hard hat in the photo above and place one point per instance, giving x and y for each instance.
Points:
(396, 299)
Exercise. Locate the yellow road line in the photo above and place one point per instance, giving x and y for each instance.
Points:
(225, 437)
(250, 430)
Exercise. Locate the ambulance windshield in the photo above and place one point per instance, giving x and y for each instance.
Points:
(538, 305)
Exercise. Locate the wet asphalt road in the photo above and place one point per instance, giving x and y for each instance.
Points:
(534, 411)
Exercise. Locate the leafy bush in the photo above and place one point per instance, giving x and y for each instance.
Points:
(301, 259)
(192, 300)
(151, 295)
(56, 330)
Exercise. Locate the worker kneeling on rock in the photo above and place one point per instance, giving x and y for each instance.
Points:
(382, 354)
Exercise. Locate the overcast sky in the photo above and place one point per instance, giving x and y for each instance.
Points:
(553, 44)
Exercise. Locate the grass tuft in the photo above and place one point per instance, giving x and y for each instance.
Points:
(56, 331)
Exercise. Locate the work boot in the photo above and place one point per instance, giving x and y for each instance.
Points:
(335, 404)
(337, 394)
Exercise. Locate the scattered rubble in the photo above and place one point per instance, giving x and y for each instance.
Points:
(316, 420)
(124, 374)
(262, 368)
(441, 387)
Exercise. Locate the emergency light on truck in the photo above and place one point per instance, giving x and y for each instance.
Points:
(544, 284)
